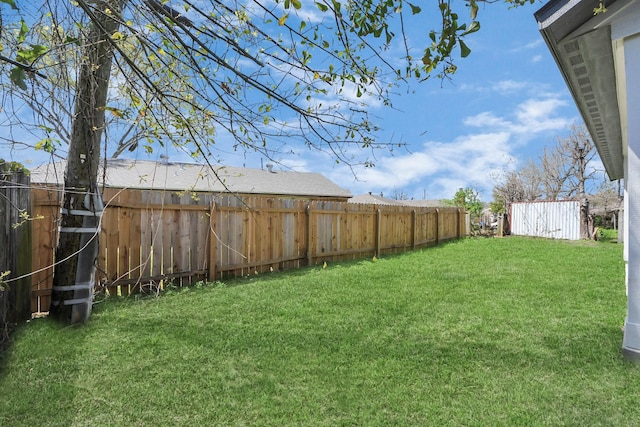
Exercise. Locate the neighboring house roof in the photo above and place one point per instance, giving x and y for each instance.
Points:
(426, 203)
(581, 44)
(144, 174)
(372, 199)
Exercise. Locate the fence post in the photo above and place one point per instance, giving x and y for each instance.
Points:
(437, 226)
(213, 240)
(414, 228)
(378, 231)
(309, 234)
(468, 227)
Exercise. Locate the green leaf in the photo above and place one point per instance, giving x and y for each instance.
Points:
(464, 49)
(297, 4)
(23, 31)
(336, 5)
(73, 40)
(11, 3)
(473, 27)
(46, 144)
(323, 7)
(18, 77)
(474, 9)
(415, 9)
(30, 55)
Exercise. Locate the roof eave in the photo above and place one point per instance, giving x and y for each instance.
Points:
(584, 55)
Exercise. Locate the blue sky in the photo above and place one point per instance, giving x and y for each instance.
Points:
(505, 103)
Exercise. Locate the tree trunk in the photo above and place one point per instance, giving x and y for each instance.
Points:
(585, 229)
(77, 250)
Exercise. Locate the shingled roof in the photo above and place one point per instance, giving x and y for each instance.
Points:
(372, 199)
(144, 174)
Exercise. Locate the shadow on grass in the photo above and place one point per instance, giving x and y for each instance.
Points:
(6, 340)
(52, 366)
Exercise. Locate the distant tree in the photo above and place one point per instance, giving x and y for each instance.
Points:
(515, 186)
(469, 199)
(566, 166)
(607, 199)
(555, 173)
(508, 189)
(399, 195)
(531, 178)
(578, 151)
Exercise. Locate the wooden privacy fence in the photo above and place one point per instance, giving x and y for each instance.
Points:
(15, 245)
(151, 237)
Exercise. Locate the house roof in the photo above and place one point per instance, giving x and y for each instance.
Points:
(143, 174)
(424, 203)
(586, 52)
(372, 199)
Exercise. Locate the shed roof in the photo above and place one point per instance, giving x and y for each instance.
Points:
(144, 174)
(581, 44)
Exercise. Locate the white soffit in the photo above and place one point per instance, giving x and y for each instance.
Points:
(582, 46)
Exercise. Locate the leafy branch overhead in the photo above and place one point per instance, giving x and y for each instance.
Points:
(262, 73)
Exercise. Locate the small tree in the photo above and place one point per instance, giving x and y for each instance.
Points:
(508, 189)
(469, 199)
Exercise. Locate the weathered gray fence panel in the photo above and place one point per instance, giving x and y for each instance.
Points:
(15, 244)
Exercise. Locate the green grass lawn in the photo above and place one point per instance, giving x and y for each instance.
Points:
(489, 332)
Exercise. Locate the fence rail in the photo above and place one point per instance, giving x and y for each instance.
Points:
(148, 238)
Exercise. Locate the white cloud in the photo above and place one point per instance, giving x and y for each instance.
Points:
(469, 159)
(530, 117)
(528, 46)
(487, 120)
(298, 165)
(439, 168)
(509, 86)
(537, 115)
